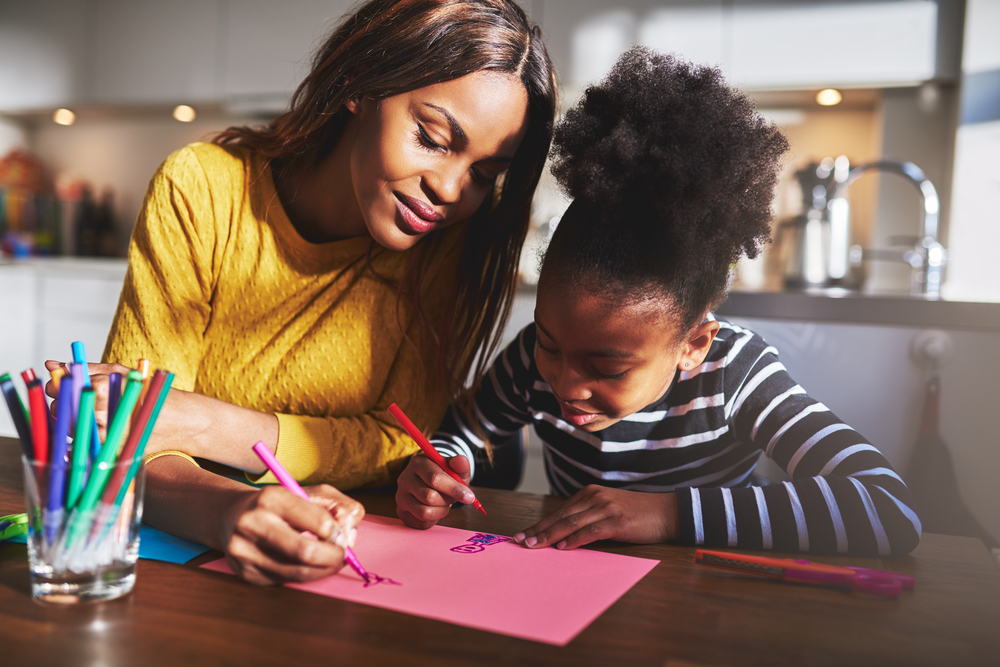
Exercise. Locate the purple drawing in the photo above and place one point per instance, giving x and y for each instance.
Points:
(479, 542)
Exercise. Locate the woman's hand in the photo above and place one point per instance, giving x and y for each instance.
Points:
(601, 513)
(188, 422)
(425, 493)
(99, 380)
(271, 535)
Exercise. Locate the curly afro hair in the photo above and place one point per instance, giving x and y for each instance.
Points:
(672, 174)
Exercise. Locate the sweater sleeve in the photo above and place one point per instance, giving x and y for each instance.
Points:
(501, 403)
(844, 497)
(164, 305)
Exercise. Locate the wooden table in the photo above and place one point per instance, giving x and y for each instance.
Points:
(680, 614)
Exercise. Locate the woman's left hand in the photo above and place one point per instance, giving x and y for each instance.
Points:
(601, 513)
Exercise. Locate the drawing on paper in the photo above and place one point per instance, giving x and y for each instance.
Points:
(479, 542)
(374, 580)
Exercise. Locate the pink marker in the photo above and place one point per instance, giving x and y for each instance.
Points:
(289, 483)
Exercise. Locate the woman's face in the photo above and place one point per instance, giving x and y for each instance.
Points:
(425, 159)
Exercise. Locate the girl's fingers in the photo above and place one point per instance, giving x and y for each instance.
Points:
(444, 490)
(585, 524)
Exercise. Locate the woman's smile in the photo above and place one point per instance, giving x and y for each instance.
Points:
(418, 217)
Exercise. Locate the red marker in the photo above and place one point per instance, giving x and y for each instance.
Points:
(39, 410)
(428, 448)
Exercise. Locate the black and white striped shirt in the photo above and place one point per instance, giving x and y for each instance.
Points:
(702, 440)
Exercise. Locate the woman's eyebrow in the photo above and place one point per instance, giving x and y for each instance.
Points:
(457, 129)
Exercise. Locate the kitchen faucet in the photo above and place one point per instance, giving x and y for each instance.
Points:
(927, 256)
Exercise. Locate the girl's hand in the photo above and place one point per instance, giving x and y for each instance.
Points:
(601, 513)
(98, 380)
(268, 538)
(425, 493)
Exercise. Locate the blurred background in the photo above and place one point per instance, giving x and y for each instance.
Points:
(882, 272)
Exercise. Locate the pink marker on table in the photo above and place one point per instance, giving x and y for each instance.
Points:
(289, 483)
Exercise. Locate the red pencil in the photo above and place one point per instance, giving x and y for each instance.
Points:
(428, 448)
(39, 410)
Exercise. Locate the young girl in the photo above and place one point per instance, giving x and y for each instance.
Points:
(652, 411)
(299, 277)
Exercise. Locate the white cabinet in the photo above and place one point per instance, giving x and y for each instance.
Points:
(147, 51)
(853, 44)
(46, 305)
(760, 44)
(269, 44)
(43, 53)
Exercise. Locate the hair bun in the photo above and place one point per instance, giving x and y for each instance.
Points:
(671, 143)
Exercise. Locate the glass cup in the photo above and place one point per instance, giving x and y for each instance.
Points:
(83, 555)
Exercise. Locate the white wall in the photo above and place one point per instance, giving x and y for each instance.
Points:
(12, 135)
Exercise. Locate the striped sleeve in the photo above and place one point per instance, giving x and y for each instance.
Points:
(844, 497)
(501, 403)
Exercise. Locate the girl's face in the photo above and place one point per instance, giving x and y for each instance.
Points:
(425, 159)
(606, 361)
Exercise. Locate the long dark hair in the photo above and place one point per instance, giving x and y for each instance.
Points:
(389, 47)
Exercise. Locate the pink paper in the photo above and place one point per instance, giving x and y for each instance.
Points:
(480, 580)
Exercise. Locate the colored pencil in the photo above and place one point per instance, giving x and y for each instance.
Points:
(77, 372)
(143, 368)
(144, 413)
(39, 409)
(81, 449)
(147, 432)
(114, 394)
(57, 467)
(428, 448)
(18, 415)
(80, 357)
(287, 481)
(100, 470)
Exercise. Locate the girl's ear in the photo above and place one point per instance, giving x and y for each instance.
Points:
(697, 345)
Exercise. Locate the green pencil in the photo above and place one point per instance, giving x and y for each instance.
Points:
(81, 448)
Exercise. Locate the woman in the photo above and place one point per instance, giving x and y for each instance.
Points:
(359, 250)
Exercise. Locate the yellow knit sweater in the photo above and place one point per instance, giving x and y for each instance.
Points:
(222, 291)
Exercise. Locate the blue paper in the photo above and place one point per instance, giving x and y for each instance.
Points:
(155, 545)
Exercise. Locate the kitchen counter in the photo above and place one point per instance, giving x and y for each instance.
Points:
(863, 309)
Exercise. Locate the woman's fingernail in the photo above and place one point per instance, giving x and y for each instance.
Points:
(531, 541)
(519, 537)
(468, 498)
(561, 545)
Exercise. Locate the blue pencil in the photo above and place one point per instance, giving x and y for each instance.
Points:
(57, 465)
(80, 357)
